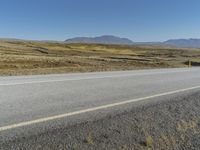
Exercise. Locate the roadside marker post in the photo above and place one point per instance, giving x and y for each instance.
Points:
(189, 64)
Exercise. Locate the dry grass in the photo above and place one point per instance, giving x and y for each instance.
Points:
(27, 57)
(89, 139)
(148, 141)
(167, 141)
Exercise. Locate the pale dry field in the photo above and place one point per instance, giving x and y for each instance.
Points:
(28, 57)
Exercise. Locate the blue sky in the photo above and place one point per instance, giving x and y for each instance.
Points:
(139, 20)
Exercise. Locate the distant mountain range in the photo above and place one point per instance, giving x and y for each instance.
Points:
(190, 43)
(106, 39)
(109, 39)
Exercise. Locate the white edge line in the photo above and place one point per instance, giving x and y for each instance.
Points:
(37, 121)
(89, 78)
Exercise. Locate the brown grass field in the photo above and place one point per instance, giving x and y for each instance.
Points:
(31, 57)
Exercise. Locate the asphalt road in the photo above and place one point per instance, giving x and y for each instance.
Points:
(35, 104)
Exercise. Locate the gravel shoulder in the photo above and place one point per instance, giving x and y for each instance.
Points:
(173, 123)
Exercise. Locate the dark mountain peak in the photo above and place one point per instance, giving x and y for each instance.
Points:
(105, 39)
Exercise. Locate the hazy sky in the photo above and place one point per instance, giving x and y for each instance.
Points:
(139, 20)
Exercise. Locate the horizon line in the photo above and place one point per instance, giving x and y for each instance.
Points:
(49, 40)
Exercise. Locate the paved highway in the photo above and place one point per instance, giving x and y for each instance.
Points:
(34, 104)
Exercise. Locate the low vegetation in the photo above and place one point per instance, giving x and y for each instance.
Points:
(28, 57)
(148, 141)
(89, 139)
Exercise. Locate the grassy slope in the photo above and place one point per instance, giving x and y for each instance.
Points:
(25, 57)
